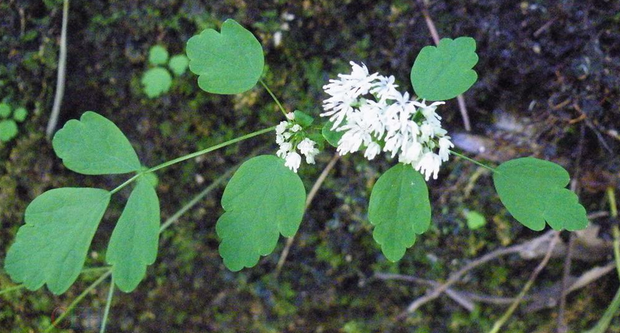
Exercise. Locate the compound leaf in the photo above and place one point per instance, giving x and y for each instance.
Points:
(229, 62)
(262, 200)
(399, 209)
(158, 55)
(52, 246)
(534, 191)
(95, 146)
(134, 241)
(156, 81)
(443, 72)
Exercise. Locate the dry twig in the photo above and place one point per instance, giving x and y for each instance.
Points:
(433, 30)
(311, 195)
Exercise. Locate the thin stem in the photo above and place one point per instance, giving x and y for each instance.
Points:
(78, 300)
(196, 199)
(274, 97)
(62, 71)
(192, 155)
(10, 289)
(84, 271)
(473, 161)
(108, 305)
(210, 149)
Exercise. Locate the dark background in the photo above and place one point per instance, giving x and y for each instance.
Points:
(549, 79)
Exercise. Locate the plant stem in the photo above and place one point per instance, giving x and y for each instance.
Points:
(473, 161)
(196, 199)
(108, 305)
(78, 300)
(192, 155)
(273, 96)
(10, 289)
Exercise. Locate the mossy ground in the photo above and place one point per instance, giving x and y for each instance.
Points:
(552, 65)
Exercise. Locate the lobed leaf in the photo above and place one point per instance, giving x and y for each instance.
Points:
(95, 146)
(262, 200)
(534, 191)
(134, 241)
(158, 55)
(399, 209)
(51, 247)
(178, 64)
(8, 130)
(445, 71)
(5, 110)
(156, 81)
(229, 62)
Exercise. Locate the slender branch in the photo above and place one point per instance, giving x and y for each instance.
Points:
(455, 277)
(311, 195)
(108, 305)
(62, 71)
(78, 299)
(10, 289)
(473, 161)
(274, 97)
(498, 324)
(215, 184)
(192, 155)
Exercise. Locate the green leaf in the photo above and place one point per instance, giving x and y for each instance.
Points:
(156, 81)
(158, 55)
(52, 246)
(8, 130)
(227, 63)
(303, 119)
(5, 110)
(20, 114)
(399, 209)
(262, 200)
(534, 191)
(444, 72)
(133, 244)
(95, 146)
(330, 135)
(178, 64)
(475, 220)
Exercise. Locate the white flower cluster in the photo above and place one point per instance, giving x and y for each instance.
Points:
(290, 137)
(374, 116)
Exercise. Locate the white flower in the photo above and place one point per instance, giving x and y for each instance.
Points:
(295, 128)
(285, 148)
(372, 150)
(429, 165)
(282, 126)
(307, 147)
(385, 87)
(293, 160)
(357, 132)
(371, 113)
(444, 148)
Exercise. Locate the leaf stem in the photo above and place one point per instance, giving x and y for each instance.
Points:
(108, 305)
(473, 161)
(192, 155)
(273, 96)
(78, 300)
(10, 289)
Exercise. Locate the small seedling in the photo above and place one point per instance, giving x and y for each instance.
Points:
(8, 124)
(158, 80)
